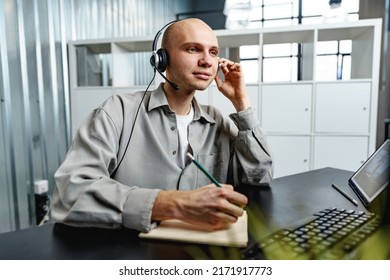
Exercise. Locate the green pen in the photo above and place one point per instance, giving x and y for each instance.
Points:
(204, 170)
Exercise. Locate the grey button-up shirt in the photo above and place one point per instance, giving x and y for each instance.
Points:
(233, 150)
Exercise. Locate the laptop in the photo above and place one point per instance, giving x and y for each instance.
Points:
(334, 233)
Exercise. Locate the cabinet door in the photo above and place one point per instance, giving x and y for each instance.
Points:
(222, 103)
(343, 107)
(344, 152)
(286, 108)
(291, 154)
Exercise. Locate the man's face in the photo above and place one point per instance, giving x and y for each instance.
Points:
(193, 57)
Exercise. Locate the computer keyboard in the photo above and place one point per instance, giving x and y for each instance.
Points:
(331, 233)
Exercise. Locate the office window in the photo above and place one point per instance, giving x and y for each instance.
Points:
(266, 13)
(249, 56)
(280, 62)
(313, 12)
(334, 60)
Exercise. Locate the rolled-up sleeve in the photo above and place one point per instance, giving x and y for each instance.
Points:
(252, 159)
(138, 209)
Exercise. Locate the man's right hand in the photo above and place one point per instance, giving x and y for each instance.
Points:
(209, 206)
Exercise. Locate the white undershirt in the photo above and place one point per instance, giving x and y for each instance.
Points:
(182, 129)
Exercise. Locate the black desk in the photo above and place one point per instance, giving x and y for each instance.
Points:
(287, 200)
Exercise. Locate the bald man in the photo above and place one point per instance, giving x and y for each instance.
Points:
(129, 169)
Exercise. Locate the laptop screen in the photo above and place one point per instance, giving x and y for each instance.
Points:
(373, 176)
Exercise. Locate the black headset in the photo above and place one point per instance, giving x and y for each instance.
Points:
(159, 61)
(159, 58)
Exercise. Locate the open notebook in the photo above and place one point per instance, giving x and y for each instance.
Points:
(174, 230)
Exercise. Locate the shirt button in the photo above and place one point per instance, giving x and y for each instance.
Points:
(173, 128)
(174, 152)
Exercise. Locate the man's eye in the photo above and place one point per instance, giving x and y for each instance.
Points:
(192, 50)
(214, 53)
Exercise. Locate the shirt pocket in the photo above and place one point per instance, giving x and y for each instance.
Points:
(215, 164)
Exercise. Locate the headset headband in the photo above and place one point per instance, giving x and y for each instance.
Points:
(158, 34)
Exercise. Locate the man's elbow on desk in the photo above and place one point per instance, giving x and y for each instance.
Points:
(256, 179)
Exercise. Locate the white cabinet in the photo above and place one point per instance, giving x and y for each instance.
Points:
(291, 154)
(278, 114)
(220, 101)
(311, 119)
(343, 107)
(344, 152)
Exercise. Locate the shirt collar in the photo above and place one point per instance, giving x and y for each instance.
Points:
(158, 99)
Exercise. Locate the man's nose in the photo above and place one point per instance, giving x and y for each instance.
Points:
(206, 60)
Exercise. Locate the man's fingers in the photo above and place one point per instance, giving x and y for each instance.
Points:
(234, 197)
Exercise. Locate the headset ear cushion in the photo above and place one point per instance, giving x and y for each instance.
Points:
(162, 60)
(154, 60)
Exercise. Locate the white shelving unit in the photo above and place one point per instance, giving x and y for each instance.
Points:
(310, 124)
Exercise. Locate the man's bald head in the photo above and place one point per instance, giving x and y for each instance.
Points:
(181, 27)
